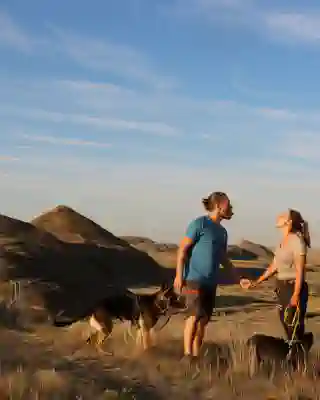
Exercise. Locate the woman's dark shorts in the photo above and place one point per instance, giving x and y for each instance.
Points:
(200, 301)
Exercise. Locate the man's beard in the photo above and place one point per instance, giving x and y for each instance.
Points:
(228, 214)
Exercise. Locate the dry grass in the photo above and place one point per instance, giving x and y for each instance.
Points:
(222, 374)
(38, 361)
(46, 363)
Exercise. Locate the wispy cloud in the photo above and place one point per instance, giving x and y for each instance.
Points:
(8, 158)
(118, 59)
(94, 53)
(230, 12)
(279, 114)
(104, 96)
(99, 122)
(264, 18)
(208, 8)
(302, 145)
(66, 141)
(12, 35)
(295, 26)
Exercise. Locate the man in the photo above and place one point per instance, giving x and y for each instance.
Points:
(200, 254)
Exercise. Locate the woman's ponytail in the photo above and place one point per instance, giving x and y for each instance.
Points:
(306, 233)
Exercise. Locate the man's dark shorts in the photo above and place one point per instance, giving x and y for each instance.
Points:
(200, 301)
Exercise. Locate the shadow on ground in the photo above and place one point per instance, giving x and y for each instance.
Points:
(312, 315)
(168, 357)
(86, 378)
(231, 304)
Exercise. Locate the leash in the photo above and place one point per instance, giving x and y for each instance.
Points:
(295, 323)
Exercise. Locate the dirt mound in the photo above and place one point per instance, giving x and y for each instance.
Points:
(71, 226)
(237, 253)
(259, 250)
(68, 279)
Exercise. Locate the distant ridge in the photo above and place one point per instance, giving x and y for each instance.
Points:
(245, 250)
(258, 249)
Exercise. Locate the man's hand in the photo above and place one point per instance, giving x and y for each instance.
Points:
(178, 283)
(230, 268)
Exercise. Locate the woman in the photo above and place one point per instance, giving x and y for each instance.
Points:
(289, 264)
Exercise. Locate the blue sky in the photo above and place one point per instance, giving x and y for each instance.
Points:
(130, 111)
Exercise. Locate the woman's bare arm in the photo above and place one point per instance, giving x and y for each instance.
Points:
(270, 271)
(300, 264)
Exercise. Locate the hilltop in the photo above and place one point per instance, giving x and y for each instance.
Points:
(70, 226)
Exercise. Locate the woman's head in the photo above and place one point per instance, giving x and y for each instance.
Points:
(218, 202)
(292, 221)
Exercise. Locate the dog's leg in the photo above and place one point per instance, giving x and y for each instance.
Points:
(128, 333)
(143, 336)
(102, 323)
(153, 337)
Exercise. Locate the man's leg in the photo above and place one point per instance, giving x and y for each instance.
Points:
(199, 336)
(206, 305)
(194, 312)
(190, 332)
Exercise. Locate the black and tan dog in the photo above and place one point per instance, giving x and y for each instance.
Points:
(277, 352)
(142, 311)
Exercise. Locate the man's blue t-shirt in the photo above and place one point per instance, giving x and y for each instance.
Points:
(210, 241)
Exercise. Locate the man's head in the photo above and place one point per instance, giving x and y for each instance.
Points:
(218, 203)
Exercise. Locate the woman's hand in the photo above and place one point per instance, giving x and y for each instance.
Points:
(246, 283)
(294, 300)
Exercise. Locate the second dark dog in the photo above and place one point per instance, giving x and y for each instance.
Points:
(277, 352)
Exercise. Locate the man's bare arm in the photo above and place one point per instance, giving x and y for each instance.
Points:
(185, 244)
(229, 266)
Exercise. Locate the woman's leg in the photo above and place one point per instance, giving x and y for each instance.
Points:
(284, 295)
(304, 296)
(293, 319)
(282, 313)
